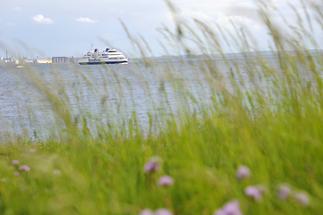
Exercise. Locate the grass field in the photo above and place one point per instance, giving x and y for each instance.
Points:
(262, 150)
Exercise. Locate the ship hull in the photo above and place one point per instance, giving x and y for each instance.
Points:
(102, 62)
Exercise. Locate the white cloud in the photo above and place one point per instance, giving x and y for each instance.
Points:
(41, 19)
(86, 20)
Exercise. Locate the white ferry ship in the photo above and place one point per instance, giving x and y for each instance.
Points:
(108, 56)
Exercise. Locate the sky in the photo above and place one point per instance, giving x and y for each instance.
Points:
(72, 27)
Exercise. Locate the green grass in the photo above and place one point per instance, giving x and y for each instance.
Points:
(277, 134)
(106, 175)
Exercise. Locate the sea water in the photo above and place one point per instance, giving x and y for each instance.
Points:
(105, 95)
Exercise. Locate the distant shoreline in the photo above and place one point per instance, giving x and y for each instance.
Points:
(166, 58)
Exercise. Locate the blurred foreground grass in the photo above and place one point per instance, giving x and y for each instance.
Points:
(275, 130)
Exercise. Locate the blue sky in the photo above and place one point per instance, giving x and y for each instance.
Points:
(69, 27)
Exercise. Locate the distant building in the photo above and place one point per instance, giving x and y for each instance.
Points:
(44, 61)
(8, 60)
(28, 61)
(60, 60)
